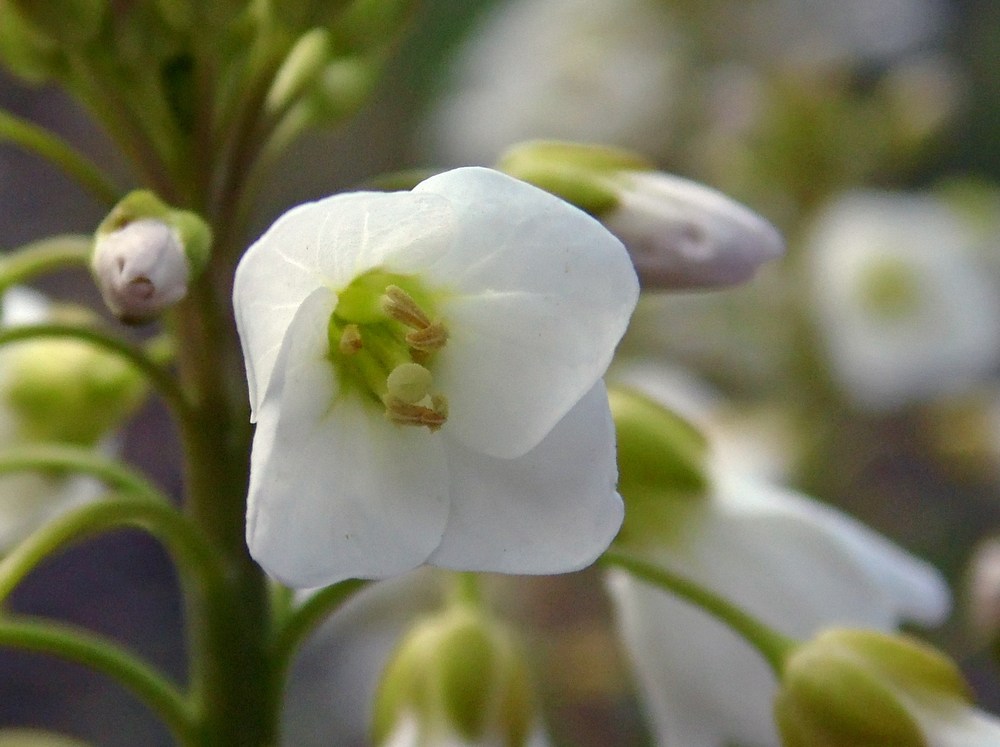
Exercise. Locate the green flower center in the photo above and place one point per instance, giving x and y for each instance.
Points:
(890, 289)
(383, 336)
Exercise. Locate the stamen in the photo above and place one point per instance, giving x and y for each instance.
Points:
(399, 305)
(350, 340)
(407, 413)
(430, 338)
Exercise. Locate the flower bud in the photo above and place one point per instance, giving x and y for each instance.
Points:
(145, 254)
(62, 390)
(862, 687)
(680, 234)
(457, 678)
(301, 68)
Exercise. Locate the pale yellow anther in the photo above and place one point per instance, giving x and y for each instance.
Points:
(350, 340)
(399, 305)
(409, 382)
(432, 337)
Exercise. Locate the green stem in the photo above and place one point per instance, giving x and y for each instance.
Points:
(81, 647)
(78, 459)
(303, 620)
(58, 152)
(46, 255)
(158, 376)
(772, 645)
(163, 521)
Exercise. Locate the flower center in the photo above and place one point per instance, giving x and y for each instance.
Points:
(890, 289)
(383, 335)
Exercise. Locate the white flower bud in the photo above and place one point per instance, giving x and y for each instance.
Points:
(141, 269)
(682, 234)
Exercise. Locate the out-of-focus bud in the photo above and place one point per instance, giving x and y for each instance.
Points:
(656, 447)
(861, 687)
(66, 391)
(458, 677)
(301, 68)
(145, 254)
(984, 591)
(662, 468)
(680, 234)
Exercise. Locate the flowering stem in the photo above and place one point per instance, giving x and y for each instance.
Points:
(771, 645)
(67, 642)
(304, 619)
(163, 521)
(56, 151)
(77, 459)
(45, 255)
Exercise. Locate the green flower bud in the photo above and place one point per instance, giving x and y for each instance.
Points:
(457, 675)
(662, 465)
(145, 254)
(67, 390)
(859, 687)
(578, 173)
(301, 68)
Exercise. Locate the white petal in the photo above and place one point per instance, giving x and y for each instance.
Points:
(336, 491)
(325, 244)
(957, 726)
(552, 510)
(542, 293)
(702, 686)
(797, 566)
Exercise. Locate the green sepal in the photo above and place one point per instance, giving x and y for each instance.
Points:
(582, 174)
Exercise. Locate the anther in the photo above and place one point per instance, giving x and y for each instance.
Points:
(350, 340)
(407, 413)
(432, 337)
(399, 305)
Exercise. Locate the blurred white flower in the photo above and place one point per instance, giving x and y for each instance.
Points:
(424, 368)
(603, 71)
(792, 562)
(850, 31)
(904, 310)
(795, 564)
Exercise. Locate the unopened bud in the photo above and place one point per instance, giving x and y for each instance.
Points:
(145, 255)
(457, 678)
(679, 233)
(861, 687)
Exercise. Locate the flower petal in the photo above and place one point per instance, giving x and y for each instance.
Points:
(702, 685)
(325, 243)
(552, 510)
(541, 295)
(336, 491)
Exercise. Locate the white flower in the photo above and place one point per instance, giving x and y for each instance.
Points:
(793, 563)
(589, 70)
(904, 310)
(515, 300)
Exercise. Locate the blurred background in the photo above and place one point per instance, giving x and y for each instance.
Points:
(866, 364)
